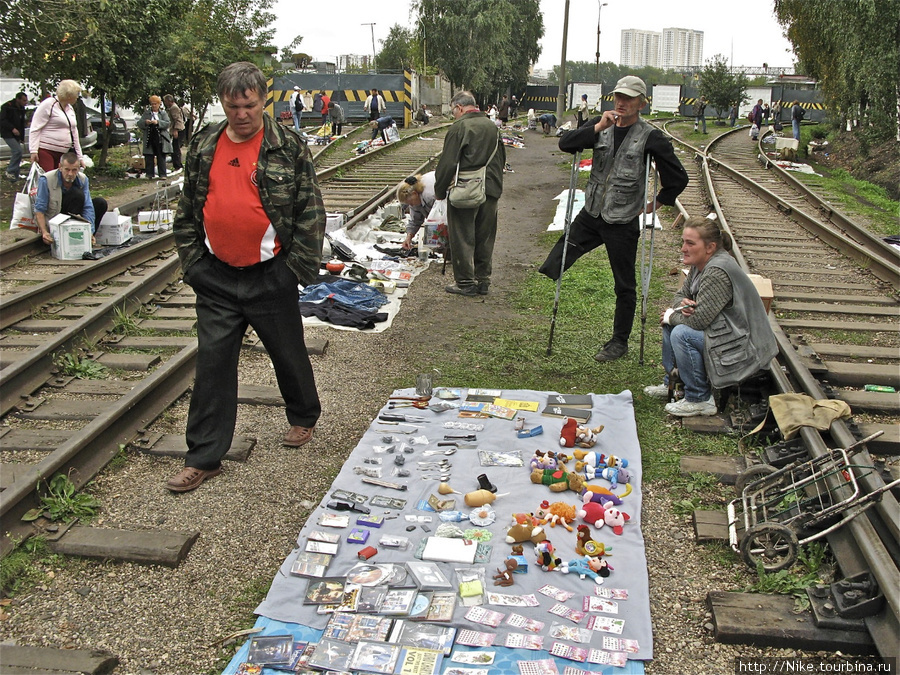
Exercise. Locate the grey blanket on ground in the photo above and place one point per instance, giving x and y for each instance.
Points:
(284, 601)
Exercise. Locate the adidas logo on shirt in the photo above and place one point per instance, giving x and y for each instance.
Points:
(234, 162)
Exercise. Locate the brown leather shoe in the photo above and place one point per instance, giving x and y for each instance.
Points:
(190, 478)
(298, 436)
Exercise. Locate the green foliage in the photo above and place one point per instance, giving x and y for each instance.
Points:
(20, 569)
(483, 47)
(610, 73)
(853, 50)
(398, 50)
(806, 572)
(720, 86)
(74, 365)
(64, 503)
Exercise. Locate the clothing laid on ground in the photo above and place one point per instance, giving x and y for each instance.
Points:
(727, 339)
(468, 145)
(262, 293)
(614, 198)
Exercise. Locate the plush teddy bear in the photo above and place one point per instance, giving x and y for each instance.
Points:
(558, 480)
(521, 532)
(592, 513)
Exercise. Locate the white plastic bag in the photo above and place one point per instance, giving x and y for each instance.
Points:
(392, 134)
(436, 225)
(23, 207)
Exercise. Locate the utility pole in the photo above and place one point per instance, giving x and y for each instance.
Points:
(598, 38)
(561, 96)
(372, 26)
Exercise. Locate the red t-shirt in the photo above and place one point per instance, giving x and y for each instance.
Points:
(238, 231)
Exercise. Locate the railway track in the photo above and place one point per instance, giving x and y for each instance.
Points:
(130, 314)
(835, 315)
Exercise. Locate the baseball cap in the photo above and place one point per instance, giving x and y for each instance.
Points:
(296, 88)
(630, 86)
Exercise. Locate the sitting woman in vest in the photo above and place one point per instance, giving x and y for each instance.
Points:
(65, 190)
(716, 332)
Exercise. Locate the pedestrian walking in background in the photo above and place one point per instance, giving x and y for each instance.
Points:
(374, 105)
(249, 227)
(733, 114)
(326, 102)
(503, 110)
(154, 122)
(614, 198)
(471, 143)
(797, 115)
(54, 128)
(700, 114)
(176, 129)
(12, 130)
(336, 113)
(581, 112)
(296, 106)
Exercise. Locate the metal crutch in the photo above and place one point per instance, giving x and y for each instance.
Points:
(570, 204)
(647, 260)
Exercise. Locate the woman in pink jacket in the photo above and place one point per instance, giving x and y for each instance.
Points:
(54, 128)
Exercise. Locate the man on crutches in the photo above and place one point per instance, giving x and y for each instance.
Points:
(622, 143)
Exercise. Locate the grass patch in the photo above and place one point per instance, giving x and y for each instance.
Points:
(63, 502)
(75, 365)
(807, 571)
(21, 569)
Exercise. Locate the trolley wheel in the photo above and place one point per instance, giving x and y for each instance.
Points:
(772, 545)
(751, 474)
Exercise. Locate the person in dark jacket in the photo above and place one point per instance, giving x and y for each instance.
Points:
(472, 142)
(249, 227)
(12, 130)
(622, 143)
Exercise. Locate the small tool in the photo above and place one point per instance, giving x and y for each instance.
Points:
(397, 431)
(681, 308)
(421, 399)
(384, 483)
(460, 437)
(421, 405)
(393, 417)
(347, 506)
(429, 453)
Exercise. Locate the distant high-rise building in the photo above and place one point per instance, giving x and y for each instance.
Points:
(681, 48)
(640, 48)
(672, 49)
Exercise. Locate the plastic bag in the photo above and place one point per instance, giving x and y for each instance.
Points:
(392, 134)
(23, 207)
(436, 225)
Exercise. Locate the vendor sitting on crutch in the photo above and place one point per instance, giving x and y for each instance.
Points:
(716, 332)
(622, 143)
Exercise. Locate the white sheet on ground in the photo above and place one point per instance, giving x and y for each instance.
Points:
(559, 218)
(284, 601)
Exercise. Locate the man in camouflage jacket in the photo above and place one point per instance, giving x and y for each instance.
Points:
(250, 225)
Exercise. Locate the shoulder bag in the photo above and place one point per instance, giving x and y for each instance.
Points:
(468, 191)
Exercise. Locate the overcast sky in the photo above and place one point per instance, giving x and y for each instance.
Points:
(748, 32)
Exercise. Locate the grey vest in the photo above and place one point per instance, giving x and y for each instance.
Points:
(54, 204)
(615, 190)
(739, 342)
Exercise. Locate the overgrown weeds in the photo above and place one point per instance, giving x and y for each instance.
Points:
(807, 571)
(75, 365)
(63, 502)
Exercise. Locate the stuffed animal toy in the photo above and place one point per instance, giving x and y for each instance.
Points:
(546, 560)
(504, 577)
(613, 461)
(525, 518)
(598, 493)
(615, 476)
(522, 532)
(585, 437)
(559, 480)
(615, 519)
(567, 433)
(595, 568)
(592, 513)
(588, 459)
(543, 461)
(559, 512)
(584, 545)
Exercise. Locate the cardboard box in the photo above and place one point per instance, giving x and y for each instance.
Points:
(137, 162)
(764, 288)
(334, 221)
(71, 237)
(114, 229)
(155, 221)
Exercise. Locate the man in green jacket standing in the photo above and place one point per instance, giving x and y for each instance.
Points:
(249, 227)
(472, 142)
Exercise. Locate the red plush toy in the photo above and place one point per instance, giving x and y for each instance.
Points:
(567, 434)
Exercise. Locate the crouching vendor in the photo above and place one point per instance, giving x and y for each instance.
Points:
(716, 332)
(66, 190)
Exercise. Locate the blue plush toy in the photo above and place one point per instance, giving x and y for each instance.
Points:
(595, 568)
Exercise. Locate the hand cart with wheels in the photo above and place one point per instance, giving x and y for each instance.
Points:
(779, 510)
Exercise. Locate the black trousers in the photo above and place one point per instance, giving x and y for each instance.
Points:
(229, 299)
(621, 240)
(176, 151)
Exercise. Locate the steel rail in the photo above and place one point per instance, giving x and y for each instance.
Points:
(29, 245)
(19, 306)
(29, 373)
(859, 546)
(92, 447)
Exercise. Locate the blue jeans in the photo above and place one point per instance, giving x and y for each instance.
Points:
(795, 126)
(700, 121)
(297, 117)
(15, 156)
(683, 347)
